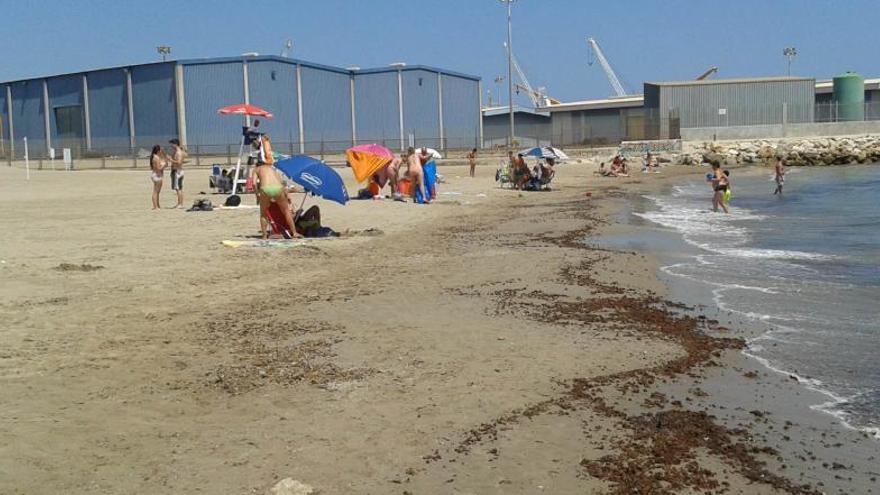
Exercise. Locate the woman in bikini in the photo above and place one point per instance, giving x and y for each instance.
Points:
(158, 162)
(269, 189)
(720, 183)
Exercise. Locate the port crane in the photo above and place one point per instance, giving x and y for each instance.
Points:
(609, 72)
(708, 73)
(538, 96)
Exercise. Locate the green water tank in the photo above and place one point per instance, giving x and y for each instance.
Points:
(849, 95)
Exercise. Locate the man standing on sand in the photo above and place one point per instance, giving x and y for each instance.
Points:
(780, 176)
(424, 157)
(178, 156)
(416, 174)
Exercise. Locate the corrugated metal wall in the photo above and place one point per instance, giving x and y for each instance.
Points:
(377, 111)
(461, 112)
(326, 109)
(531, 130)
(108, 109)
(272, 85)
(580, 127)
(743, 103)
(155, 110)
(4, 120)
(208, 87)
(421, 107)
(28, 116)
(66, 91)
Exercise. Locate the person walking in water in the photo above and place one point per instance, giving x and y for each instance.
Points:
(719, 183)
(177, 158)
(780, 176)
(472, 161)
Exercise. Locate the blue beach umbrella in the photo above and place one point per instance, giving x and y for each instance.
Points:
(315, 176)
(546, 152)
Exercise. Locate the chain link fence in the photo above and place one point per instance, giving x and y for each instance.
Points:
(201, 155)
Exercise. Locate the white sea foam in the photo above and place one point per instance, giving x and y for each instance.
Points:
(730, 264)
(772, 254)
(831, 407)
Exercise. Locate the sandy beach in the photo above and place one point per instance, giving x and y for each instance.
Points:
(476, 345)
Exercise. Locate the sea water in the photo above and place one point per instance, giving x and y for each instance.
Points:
(804, 267)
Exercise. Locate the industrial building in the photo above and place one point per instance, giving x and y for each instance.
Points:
(667, 107)
(671, 106)
(532, 125)
(316, 107)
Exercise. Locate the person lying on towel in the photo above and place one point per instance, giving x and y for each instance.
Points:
(308, 224)
(269, 189)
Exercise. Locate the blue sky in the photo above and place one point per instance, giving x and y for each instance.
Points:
(644, 40)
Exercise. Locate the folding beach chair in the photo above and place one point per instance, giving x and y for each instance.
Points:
(504, 175)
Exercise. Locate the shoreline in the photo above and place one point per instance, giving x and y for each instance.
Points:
(756, 377)
(760, 334)
(505, 356)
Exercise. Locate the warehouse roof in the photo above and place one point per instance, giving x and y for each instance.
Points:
(504, 110)
(707, 82)
(258, 58)
(616, 102)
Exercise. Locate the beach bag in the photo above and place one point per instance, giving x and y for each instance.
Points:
(202, 205)
(233, 200)
(727, 195)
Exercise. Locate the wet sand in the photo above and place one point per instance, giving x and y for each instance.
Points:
(475, 345)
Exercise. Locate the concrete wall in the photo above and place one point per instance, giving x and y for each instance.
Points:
(779, 131)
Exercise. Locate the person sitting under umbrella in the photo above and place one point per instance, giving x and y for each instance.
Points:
(389, 175)
(308, 223)
(521, 174)
(270, 188)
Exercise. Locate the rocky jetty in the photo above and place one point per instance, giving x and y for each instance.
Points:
(801, 152)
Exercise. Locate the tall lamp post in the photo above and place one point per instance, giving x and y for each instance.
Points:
(498, 81)
(509, 69)
(164, 50)
(790, 53)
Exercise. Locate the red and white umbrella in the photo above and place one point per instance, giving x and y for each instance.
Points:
(245, 109)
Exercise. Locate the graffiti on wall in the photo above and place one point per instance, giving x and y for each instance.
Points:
(627, 148)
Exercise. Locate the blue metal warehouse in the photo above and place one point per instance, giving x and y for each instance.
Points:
(316, 107)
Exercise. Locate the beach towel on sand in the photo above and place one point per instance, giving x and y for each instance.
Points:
(430, 174)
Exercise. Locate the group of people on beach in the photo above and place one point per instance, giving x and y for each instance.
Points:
(525, 178)
(271, 189)
(719, 180)
(159, 161)
(620, 166)
(415, 161)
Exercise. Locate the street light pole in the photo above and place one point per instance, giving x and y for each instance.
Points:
(164, 50)
(509, 69)
(790, 53)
